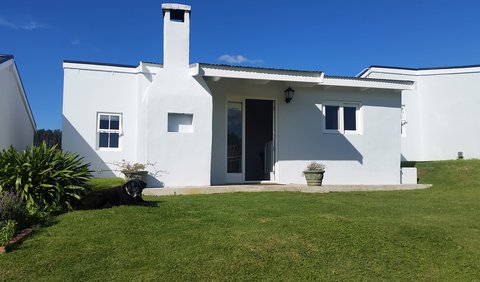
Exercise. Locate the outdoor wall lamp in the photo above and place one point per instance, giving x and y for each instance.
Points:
(289, 94)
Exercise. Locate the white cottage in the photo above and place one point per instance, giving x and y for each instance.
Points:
(204, 124)
(17, 125)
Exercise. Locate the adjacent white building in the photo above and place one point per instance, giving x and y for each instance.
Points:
(439, 112)
(203, 124)
(17, 125)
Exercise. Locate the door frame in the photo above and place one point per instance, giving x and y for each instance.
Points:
(240, 177)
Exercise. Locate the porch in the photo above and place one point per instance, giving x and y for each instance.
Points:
(277, 188)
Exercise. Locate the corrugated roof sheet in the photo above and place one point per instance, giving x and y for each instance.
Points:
(257, 68)
(405, 82)
(419, 69)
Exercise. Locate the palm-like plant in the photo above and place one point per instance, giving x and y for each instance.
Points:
(46, 178)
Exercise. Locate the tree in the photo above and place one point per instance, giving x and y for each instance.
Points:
(50, 137)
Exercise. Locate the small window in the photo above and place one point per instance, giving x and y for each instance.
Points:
(109, 130)
(341, 118)
(180, 122)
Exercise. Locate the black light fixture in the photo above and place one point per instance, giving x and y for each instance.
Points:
(289, 94)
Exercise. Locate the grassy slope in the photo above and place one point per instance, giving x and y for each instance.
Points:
(429, 235)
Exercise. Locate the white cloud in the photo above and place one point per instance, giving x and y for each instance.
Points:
(5, 23)
(238, 59)
(31, 25)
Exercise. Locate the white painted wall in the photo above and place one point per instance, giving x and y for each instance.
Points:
(89, 90)
(183, 157)
(441, 112)
(17, 127)
(370, 158)
(144, 96)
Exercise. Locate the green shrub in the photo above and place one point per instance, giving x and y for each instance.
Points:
(8, 230)
(13, 208)
(45, 178)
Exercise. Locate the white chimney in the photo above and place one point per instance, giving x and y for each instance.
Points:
(176, 35)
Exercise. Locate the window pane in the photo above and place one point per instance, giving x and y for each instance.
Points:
(234, 138)
(114, 122)
(350, 118)
(103, 140)
(104, 122)
(331, 117)
(113, 140)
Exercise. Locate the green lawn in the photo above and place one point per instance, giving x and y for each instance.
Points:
(430, 235)
(100, 183)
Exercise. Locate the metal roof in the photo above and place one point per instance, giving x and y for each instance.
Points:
(100, 64)
(419, 69)
(257, 68)
(402, 82)
(381, 80)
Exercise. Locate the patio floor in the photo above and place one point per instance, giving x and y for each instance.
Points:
(277, 188)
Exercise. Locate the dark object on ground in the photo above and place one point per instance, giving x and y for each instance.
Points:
(129, 193)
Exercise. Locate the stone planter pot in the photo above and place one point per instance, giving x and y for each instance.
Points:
(314, 178)
(141, 175)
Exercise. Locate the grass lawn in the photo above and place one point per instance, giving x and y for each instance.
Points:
(99, 183)
(431, 235)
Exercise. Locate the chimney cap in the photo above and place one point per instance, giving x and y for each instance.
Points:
(175, 6)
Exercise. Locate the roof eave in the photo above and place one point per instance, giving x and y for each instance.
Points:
(369, 83)
(250, 73)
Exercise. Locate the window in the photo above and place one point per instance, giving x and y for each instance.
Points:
(331, 117)
(342, 118)
(350, 118)
(180, 122)
(109, 126)
(234, 137)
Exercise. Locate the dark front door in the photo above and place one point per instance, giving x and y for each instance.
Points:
(258, 139)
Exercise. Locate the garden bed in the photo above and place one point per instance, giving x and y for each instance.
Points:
(17, 239)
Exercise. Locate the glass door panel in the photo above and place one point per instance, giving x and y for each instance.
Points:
(234, 137)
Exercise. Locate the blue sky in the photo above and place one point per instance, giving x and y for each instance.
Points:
(338, 37)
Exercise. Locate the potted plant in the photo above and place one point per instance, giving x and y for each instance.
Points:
(314, 173)
(132, 170)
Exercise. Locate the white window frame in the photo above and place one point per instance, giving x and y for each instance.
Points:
(341, 121)
(119, 131)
